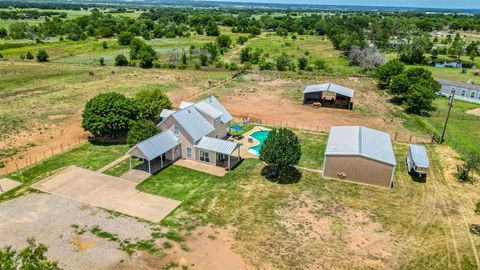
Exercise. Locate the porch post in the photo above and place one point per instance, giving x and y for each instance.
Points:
(130, 161)
(149, 168)
(229, 162)
(238, 158)
(161, 161)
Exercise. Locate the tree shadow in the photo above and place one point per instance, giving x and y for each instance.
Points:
(106, 141)
(292, 176)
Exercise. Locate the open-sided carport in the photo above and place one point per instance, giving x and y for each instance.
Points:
(162, 147)
(109, 192)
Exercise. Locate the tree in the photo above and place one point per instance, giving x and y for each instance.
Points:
(283, 61)
(212, 29)
(109, 115)
(139, 50)
(281, 151)
(42, 55)
(281, 32)
(140, 131)
(472, 163)
(125, 38)
(368, 58)
(104, 45)
(320, 64)
(419, 99)
(151, 103)
(388, 70)
(121, 60)
(3, 33)
(31, 257)
(224, 41)
(102, 61)
(203, 59)
(302, 63)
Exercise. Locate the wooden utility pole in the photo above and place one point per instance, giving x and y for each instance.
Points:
(450, 105)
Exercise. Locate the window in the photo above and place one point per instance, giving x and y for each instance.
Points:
(204, 156)
(189, 152)
(464, 92)
(176, 130)
(472, 94)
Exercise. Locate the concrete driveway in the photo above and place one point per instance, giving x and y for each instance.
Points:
(109, 192)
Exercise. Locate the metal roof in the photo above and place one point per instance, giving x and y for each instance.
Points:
(330, 87)
(166, 113)
(462, 85)
(157, 145)
(226, 117)
(193, 122)
(419, 155)
(208, 109)
(185, 104)
(217, 145)
(360, 141)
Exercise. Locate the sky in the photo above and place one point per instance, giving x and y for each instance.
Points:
(458, 4)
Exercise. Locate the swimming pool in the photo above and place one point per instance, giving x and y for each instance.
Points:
(260, 136)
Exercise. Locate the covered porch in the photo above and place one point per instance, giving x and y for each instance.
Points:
(222, 153)
(156, 152)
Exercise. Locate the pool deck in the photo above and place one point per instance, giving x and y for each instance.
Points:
(246, 144)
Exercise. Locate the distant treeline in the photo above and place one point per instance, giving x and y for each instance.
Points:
(24, 14)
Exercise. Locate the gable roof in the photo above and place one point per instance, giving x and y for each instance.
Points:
(212, 101)
(360, 141)
(193, 122)
(461, 85)
(166, 113)
(206, 108)
(157, 145)
(330, 87)
(217, 145)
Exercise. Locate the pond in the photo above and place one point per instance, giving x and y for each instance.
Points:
(451, 64)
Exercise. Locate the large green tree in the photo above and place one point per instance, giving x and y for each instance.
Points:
(281, 151)
(109, 115)
(151, 103)
(140, 131)
(388, 70)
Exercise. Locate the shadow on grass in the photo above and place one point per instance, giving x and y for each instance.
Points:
(292, 176)
(416, 178)
(106, 141)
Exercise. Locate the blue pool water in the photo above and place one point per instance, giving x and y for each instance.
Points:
(260, 136)
(237, 127)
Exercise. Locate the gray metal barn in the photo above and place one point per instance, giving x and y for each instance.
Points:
(329, 95)
(359, 154)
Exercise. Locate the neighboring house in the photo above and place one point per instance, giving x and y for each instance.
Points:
(197, 131)
(463, 91)
(359, 154)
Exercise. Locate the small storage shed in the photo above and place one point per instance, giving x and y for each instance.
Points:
(417, 159)
(359, 154)
(328, 94)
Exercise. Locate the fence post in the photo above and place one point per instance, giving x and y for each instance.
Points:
(396, 133)
(16, 165)
(52, 151)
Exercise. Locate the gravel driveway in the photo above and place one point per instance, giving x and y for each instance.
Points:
(49, 219)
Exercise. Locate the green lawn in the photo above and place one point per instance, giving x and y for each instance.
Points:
(463, 130)
(122, 167)
(88, 156)
(252, 205)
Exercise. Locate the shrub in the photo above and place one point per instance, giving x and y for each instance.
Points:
(203, 59)
(368, 58)
(471, 163)
(212, 29)
(241, 40)
(102, 61)
(29, 56)
(151, 103)
(224, 41)
(42, 55)
(477, 208)
(109, 115)
(281, 151)
(31, 257)
(140, 131)
(105, 45)
(282, 62)
(245, 55)
(125, 38)
(302, 63)
(320, 64)
(121, 60)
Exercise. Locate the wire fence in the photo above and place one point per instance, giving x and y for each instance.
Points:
(24, 161)
(307, 126)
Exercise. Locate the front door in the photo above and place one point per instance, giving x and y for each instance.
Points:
(189, 153)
